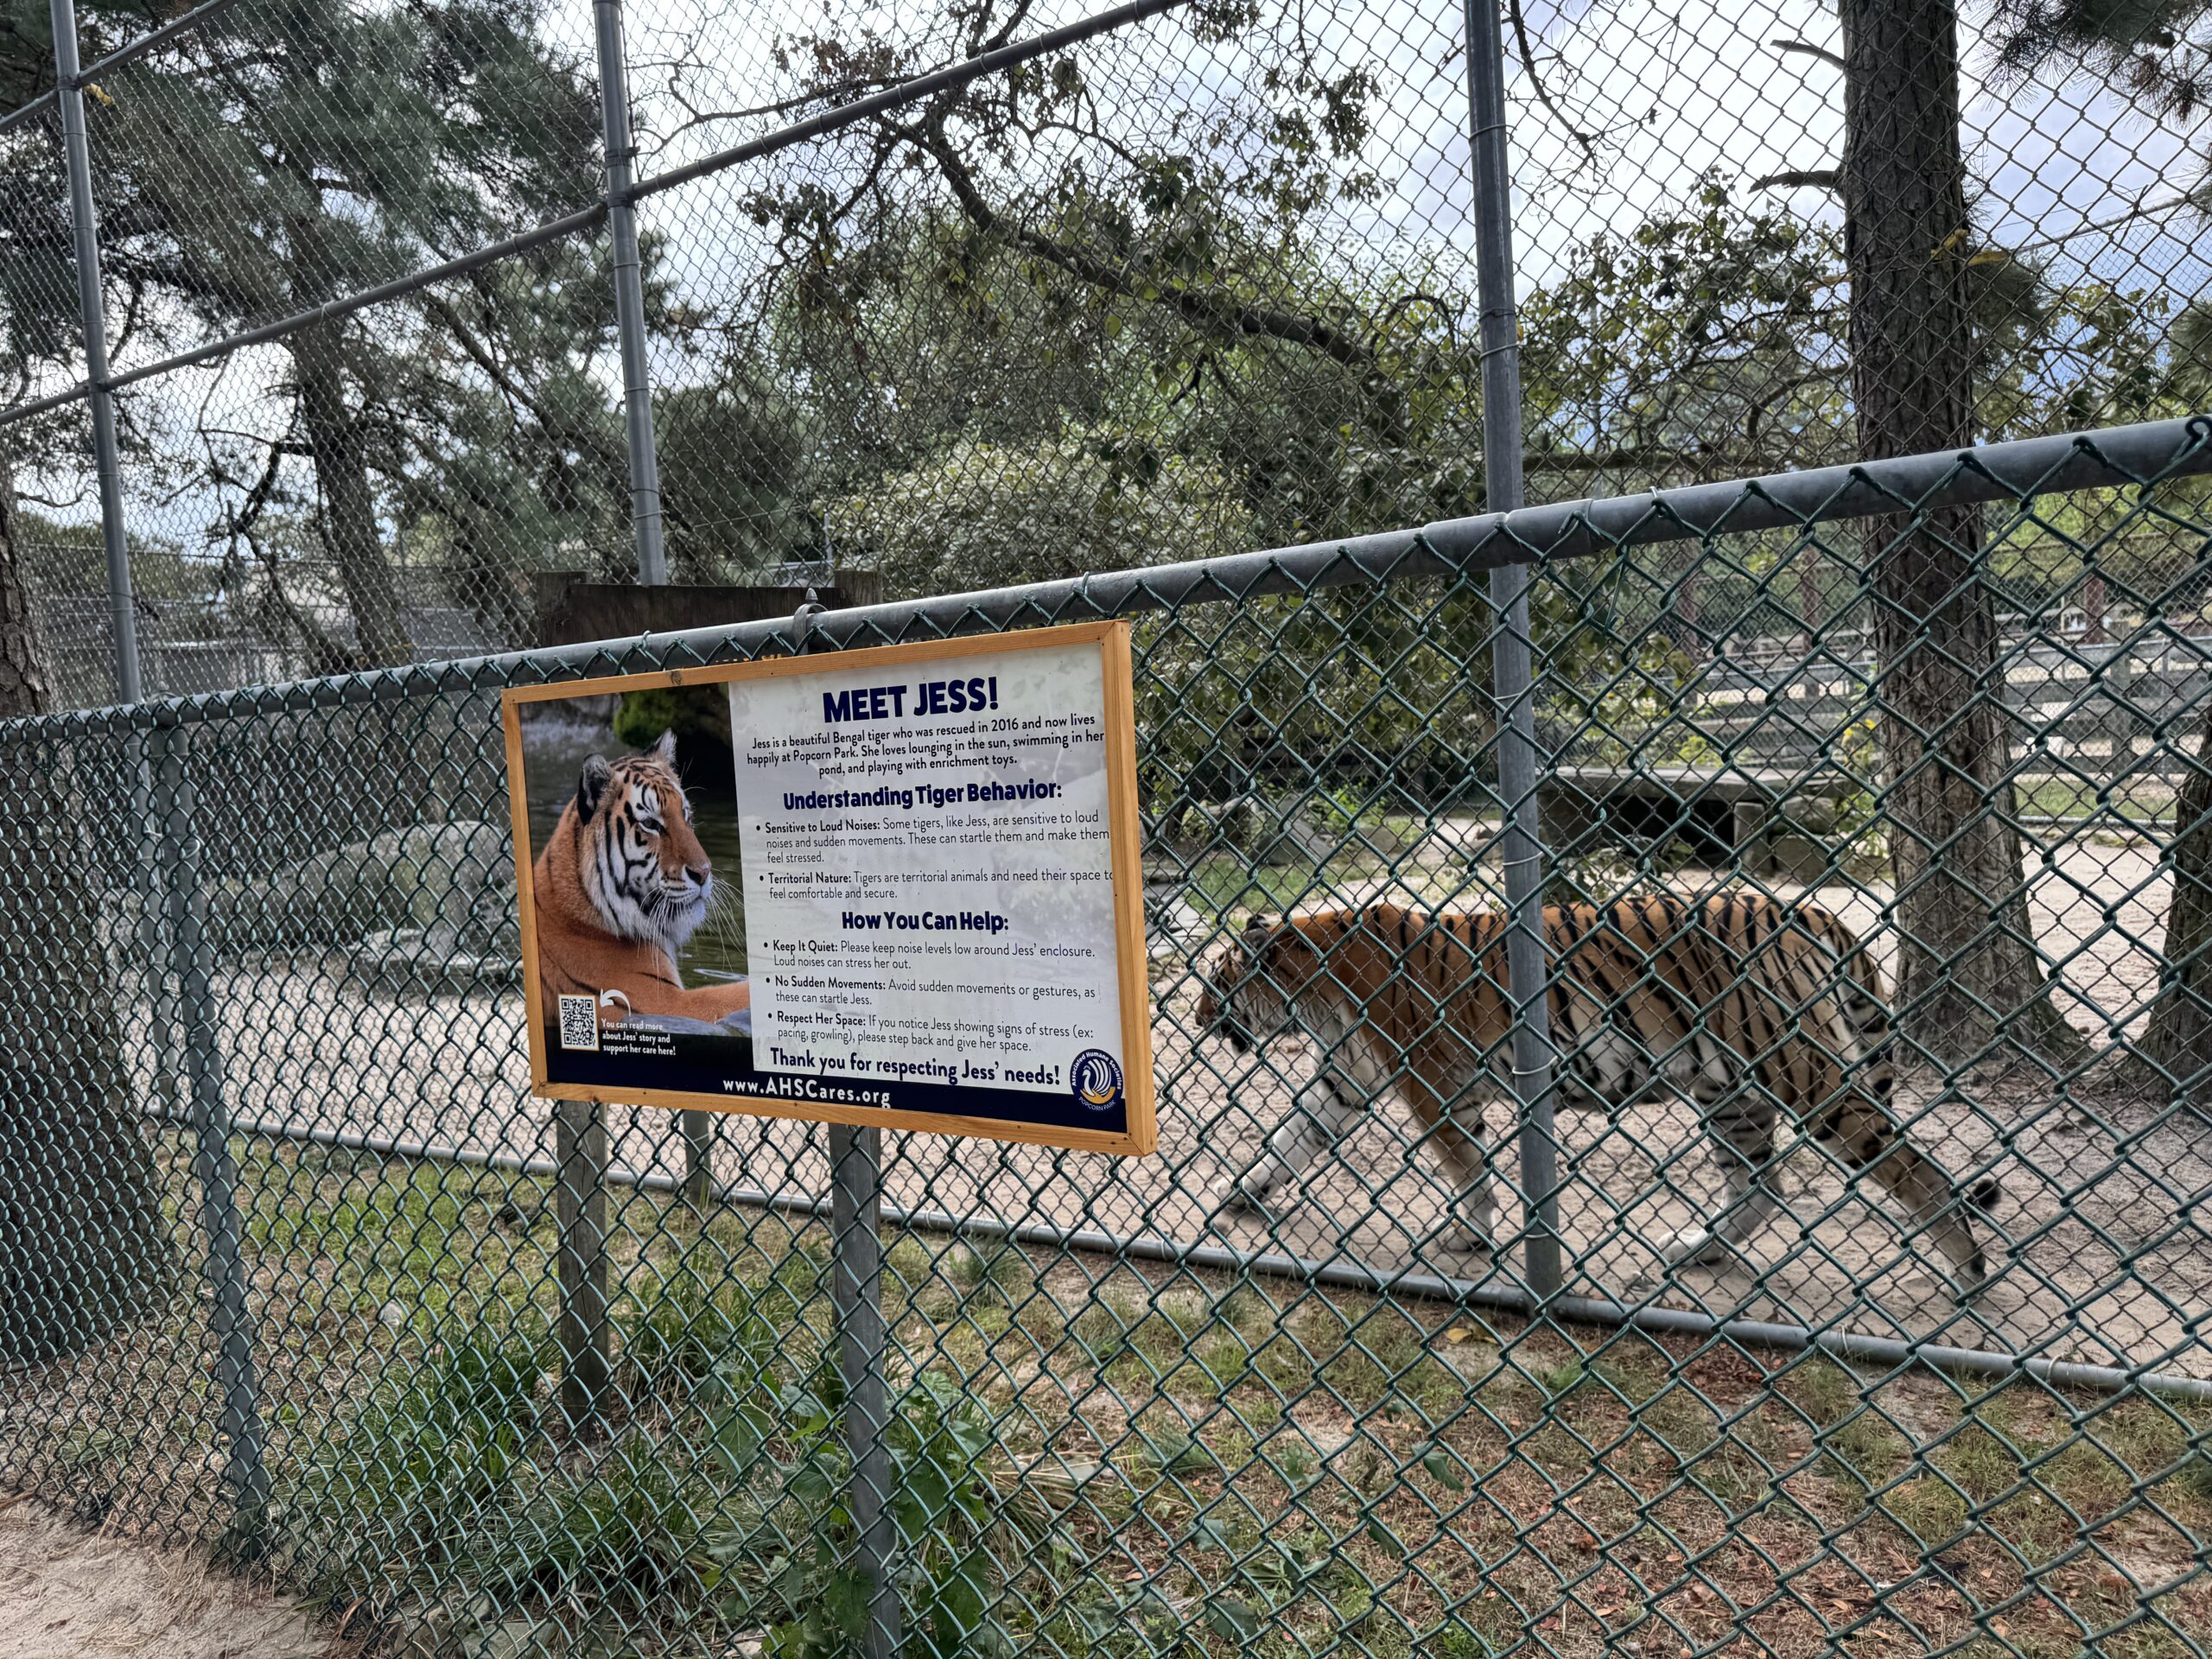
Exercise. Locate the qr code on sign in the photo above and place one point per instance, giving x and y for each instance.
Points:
(579, 1023)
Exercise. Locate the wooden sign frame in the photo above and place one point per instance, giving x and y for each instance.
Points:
(1140, 1134)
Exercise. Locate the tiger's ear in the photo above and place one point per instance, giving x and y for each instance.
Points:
(664, 751)
(591, 785)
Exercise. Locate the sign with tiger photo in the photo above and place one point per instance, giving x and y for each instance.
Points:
(897, 886)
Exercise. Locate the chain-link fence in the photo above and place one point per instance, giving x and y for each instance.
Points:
(1818, 1264)
(1887, 1333)
(1176, 279)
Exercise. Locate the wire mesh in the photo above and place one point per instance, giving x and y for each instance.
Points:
(1265, 1390)
(1214, 266)
(1881, 1323)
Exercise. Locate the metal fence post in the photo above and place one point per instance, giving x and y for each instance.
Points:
(579, 1209)
(698, 1128)
(1511, 667)
(629, 295)
(214, 1167)
(856, 1246)
(76, 156)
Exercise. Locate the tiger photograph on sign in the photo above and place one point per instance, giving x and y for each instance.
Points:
(639, 917)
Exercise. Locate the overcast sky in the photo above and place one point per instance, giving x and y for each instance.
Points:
(1669, 88)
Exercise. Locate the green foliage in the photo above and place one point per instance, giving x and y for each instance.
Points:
(2159, 50)
(692, 1327)
(987, 514)
(732, 454)
(724, 1499)
(640, 717)
(619, 1537)
(962, 1531)
(272, 159)
(424, 1462)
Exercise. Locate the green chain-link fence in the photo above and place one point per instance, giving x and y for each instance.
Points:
(291, 1260)
(294, 1262)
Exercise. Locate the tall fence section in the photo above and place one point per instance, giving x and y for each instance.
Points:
(1817, 1262)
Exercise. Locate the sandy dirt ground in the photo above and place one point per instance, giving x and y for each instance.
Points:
(66, 1593)
(2105, 1260)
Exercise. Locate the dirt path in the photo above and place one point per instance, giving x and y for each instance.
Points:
(65, 1593)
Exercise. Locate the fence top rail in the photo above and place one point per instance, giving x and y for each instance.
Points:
(820, 124)
(2114, 457)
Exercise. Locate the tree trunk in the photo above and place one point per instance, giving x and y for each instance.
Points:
(2177, 1036)
(83, 1246)
(349, 513)
(2096, 606)
(1682, 620)
(1971, 988)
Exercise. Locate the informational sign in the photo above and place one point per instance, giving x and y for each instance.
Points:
(897, 886)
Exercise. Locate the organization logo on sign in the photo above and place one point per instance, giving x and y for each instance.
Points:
(1096, 1079)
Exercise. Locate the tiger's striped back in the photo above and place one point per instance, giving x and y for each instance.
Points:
(1653, 990)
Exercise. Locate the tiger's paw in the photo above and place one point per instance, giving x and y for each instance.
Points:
(1234, 1198)
(1697, 1246)
(1968, 1278)
(1463, 1238)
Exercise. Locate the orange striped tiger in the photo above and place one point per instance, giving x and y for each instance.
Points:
(1750, 1007)
(620, 888)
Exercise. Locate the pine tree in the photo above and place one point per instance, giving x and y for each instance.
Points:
(1971, 985)
(282, 157)
(2160, 52)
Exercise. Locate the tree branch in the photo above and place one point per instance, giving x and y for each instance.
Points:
(598, 444)
(1207, 306)
(1826, 178)
(852, 87)
(1808, 49)
(1588, 141)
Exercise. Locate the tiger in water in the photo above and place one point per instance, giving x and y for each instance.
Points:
(1755, 1009)
(619, 889)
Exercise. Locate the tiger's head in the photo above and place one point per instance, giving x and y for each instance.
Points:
(1247, 990)
(644, 870)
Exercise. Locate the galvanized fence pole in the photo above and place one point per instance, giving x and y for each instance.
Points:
(76, 156)
(857, 1292)
(585, 1336)
(1510, 666)
(856, 1245)
(629, 294)
(698, 1128)
(123, 610)
(214, 1167)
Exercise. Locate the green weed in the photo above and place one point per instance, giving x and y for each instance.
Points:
(420, 1467)
(687, 1327)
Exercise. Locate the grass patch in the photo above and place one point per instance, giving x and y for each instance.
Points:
(1108, 1460)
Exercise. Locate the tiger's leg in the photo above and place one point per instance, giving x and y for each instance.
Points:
(1321, 1115)
(1868, 1141)
(1741, 1122)
(1449, 1109)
